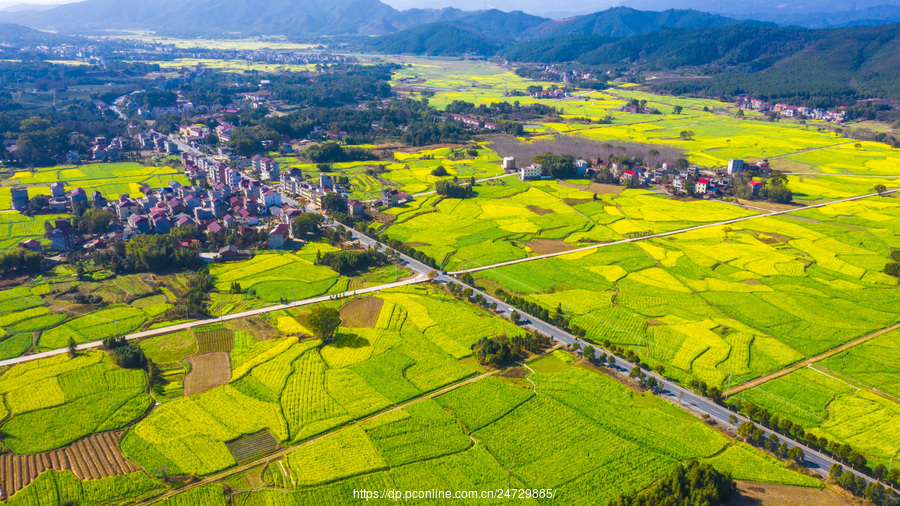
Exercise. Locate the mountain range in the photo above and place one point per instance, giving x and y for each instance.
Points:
(305, 18)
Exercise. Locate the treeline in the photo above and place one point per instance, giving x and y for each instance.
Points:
(20, 260)
(341, 85)
(560, 49)
(558, 317)
(502, 110)
(333, 152)
(344, 262)
(406, 250)
(841, 452)
(559, 166)
(817, 68)
(501, 350)
(435, 39)
(854, 484)
(453, 189)
(696, 483)
(147, 252)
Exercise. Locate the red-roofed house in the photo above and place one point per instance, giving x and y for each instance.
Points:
(755, 186)
(701, 186)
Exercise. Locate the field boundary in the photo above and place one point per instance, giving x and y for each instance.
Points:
(810, 361)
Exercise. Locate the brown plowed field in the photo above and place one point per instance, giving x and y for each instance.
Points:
(90, 458)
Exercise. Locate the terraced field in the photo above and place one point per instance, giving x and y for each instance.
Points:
(296, 390)
(740, 300)
(510, 439)
(509, 219)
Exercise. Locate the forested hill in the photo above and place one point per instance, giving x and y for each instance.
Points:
(764, 61)
(625, 22)
(436, 39)
(491, 29)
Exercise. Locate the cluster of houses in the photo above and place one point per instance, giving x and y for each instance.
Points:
(240, 207)
(749, 103)
(474, 123)
(709, 182)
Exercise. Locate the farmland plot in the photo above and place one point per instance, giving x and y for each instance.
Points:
(739, 300)
(77, 397)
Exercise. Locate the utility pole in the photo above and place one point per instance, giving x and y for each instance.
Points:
(892, 460)
(117, 328)
(729, 384)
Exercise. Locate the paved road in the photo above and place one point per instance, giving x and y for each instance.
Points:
(199, 323)
(673, 232)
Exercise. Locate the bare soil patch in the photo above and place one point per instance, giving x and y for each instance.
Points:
(90, 458)
(766, 494)
(361, 313)
(769, 206)
(380, 217)
(260, 329)
(208, 371)
(597, 188)
(800, 218)
(752, 282)
(540, 210)
(547, 246)
(575, 202)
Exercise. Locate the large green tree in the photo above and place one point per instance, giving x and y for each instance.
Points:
(324, 322)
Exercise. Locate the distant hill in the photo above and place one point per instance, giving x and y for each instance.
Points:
(494, 28)
(218, 17)
(436, 39)
(18, 34)
(624, 22)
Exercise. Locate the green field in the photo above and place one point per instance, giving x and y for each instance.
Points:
(56, 401)
(409, 171)
(112, 179)
(583, 434)
(507, 215)
(296, 390)
(748, 464)
(16, 228)
(272, 276)
(484, 435)
(851, 397)
(740, 300)
(42, 313)
(719, 135)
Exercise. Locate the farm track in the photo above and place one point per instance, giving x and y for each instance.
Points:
(799, 365)
(93, 457)
(283, 452)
